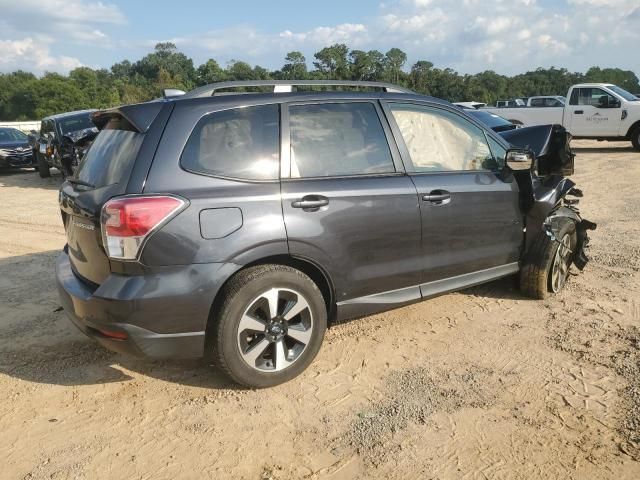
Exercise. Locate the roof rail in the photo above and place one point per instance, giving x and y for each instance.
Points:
(285, 86)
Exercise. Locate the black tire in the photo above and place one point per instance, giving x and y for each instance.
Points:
(43, 166)
(538, 267)
(65, 169)
(241, 294)
(635, 138)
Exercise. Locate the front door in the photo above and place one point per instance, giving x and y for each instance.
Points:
(590, 114)
(348, 205)
(471, 220)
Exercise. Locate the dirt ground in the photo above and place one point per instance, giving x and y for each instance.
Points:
(473, 385)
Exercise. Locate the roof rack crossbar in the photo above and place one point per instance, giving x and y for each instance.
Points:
(285, 86)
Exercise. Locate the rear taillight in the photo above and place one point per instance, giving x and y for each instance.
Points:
(128, 221)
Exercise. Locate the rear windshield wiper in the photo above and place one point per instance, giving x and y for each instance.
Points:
(76, 181)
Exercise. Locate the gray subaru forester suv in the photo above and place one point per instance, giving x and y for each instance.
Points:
(236, 226)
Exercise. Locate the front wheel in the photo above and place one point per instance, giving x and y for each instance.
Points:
(43, 167)
(270, 325)
(545, 269)
(635, 138)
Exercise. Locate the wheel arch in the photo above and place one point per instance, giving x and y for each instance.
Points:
(632, 128)
(317, 274)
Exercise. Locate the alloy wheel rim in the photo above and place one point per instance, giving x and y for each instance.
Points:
(275, 329)
(561, 260)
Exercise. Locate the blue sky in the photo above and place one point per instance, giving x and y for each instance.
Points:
(508, 36)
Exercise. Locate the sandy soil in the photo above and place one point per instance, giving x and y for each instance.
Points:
(478, 384)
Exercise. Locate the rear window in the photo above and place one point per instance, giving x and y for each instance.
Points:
(239, 143)
(111, 156)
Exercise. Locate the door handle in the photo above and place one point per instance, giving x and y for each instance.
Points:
(579, 112)
(437, 197)
(311, 202)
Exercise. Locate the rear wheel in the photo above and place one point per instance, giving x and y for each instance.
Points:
(43, 166)
(635, 138)
(270, 325)
(546, 267)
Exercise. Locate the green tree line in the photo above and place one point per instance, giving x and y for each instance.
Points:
(25, 96)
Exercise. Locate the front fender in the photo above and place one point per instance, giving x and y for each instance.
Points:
(544, 196)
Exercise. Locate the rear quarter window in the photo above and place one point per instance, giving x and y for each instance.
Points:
(241, 143)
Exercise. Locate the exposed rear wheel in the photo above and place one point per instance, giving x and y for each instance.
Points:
(546, 267)
(270, 326)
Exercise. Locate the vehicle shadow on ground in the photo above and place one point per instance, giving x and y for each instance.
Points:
(39, 344)
(604, 150)
(83, 362)
(506, 288)
(27, 178)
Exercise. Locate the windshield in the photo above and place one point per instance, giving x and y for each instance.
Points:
(489, 119)
(110, 158)
(8, 135)
(629, 97)
(73, 124)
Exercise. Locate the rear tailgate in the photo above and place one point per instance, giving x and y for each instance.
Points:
(107, 170)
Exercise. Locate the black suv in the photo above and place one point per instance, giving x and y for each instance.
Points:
(63, 140)
(237, 226)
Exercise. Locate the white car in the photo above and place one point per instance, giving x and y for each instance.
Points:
(600, 111)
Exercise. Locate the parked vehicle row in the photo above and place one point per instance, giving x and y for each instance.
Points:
(600, 111)
(536, 101)
(237, 227)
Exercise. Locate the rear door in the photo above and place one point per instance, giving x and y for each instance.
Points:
(471, 219)
(348, 205)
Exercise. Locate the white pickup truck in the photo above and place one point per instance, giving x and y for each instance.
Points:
(600, 111)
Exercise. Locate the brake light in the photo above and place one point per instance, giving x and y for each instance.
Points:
(128, 221)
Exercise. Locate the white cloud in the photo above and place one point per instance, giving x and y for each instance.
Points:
(30, 30)
(73, 11)
(508, 36)
(33, 55)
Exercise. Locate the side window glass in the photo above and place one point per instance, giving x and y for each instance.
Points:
(575, 94)
(440, 141)
(239, 143)
(337, 139)
(594, 97)
(499, 153)
(537, 102)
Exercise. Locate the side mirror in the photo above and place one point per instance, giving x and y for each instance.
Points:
(519, 160)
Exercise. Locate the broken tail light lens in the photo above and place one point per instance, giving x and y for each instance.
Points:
(127, 222)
